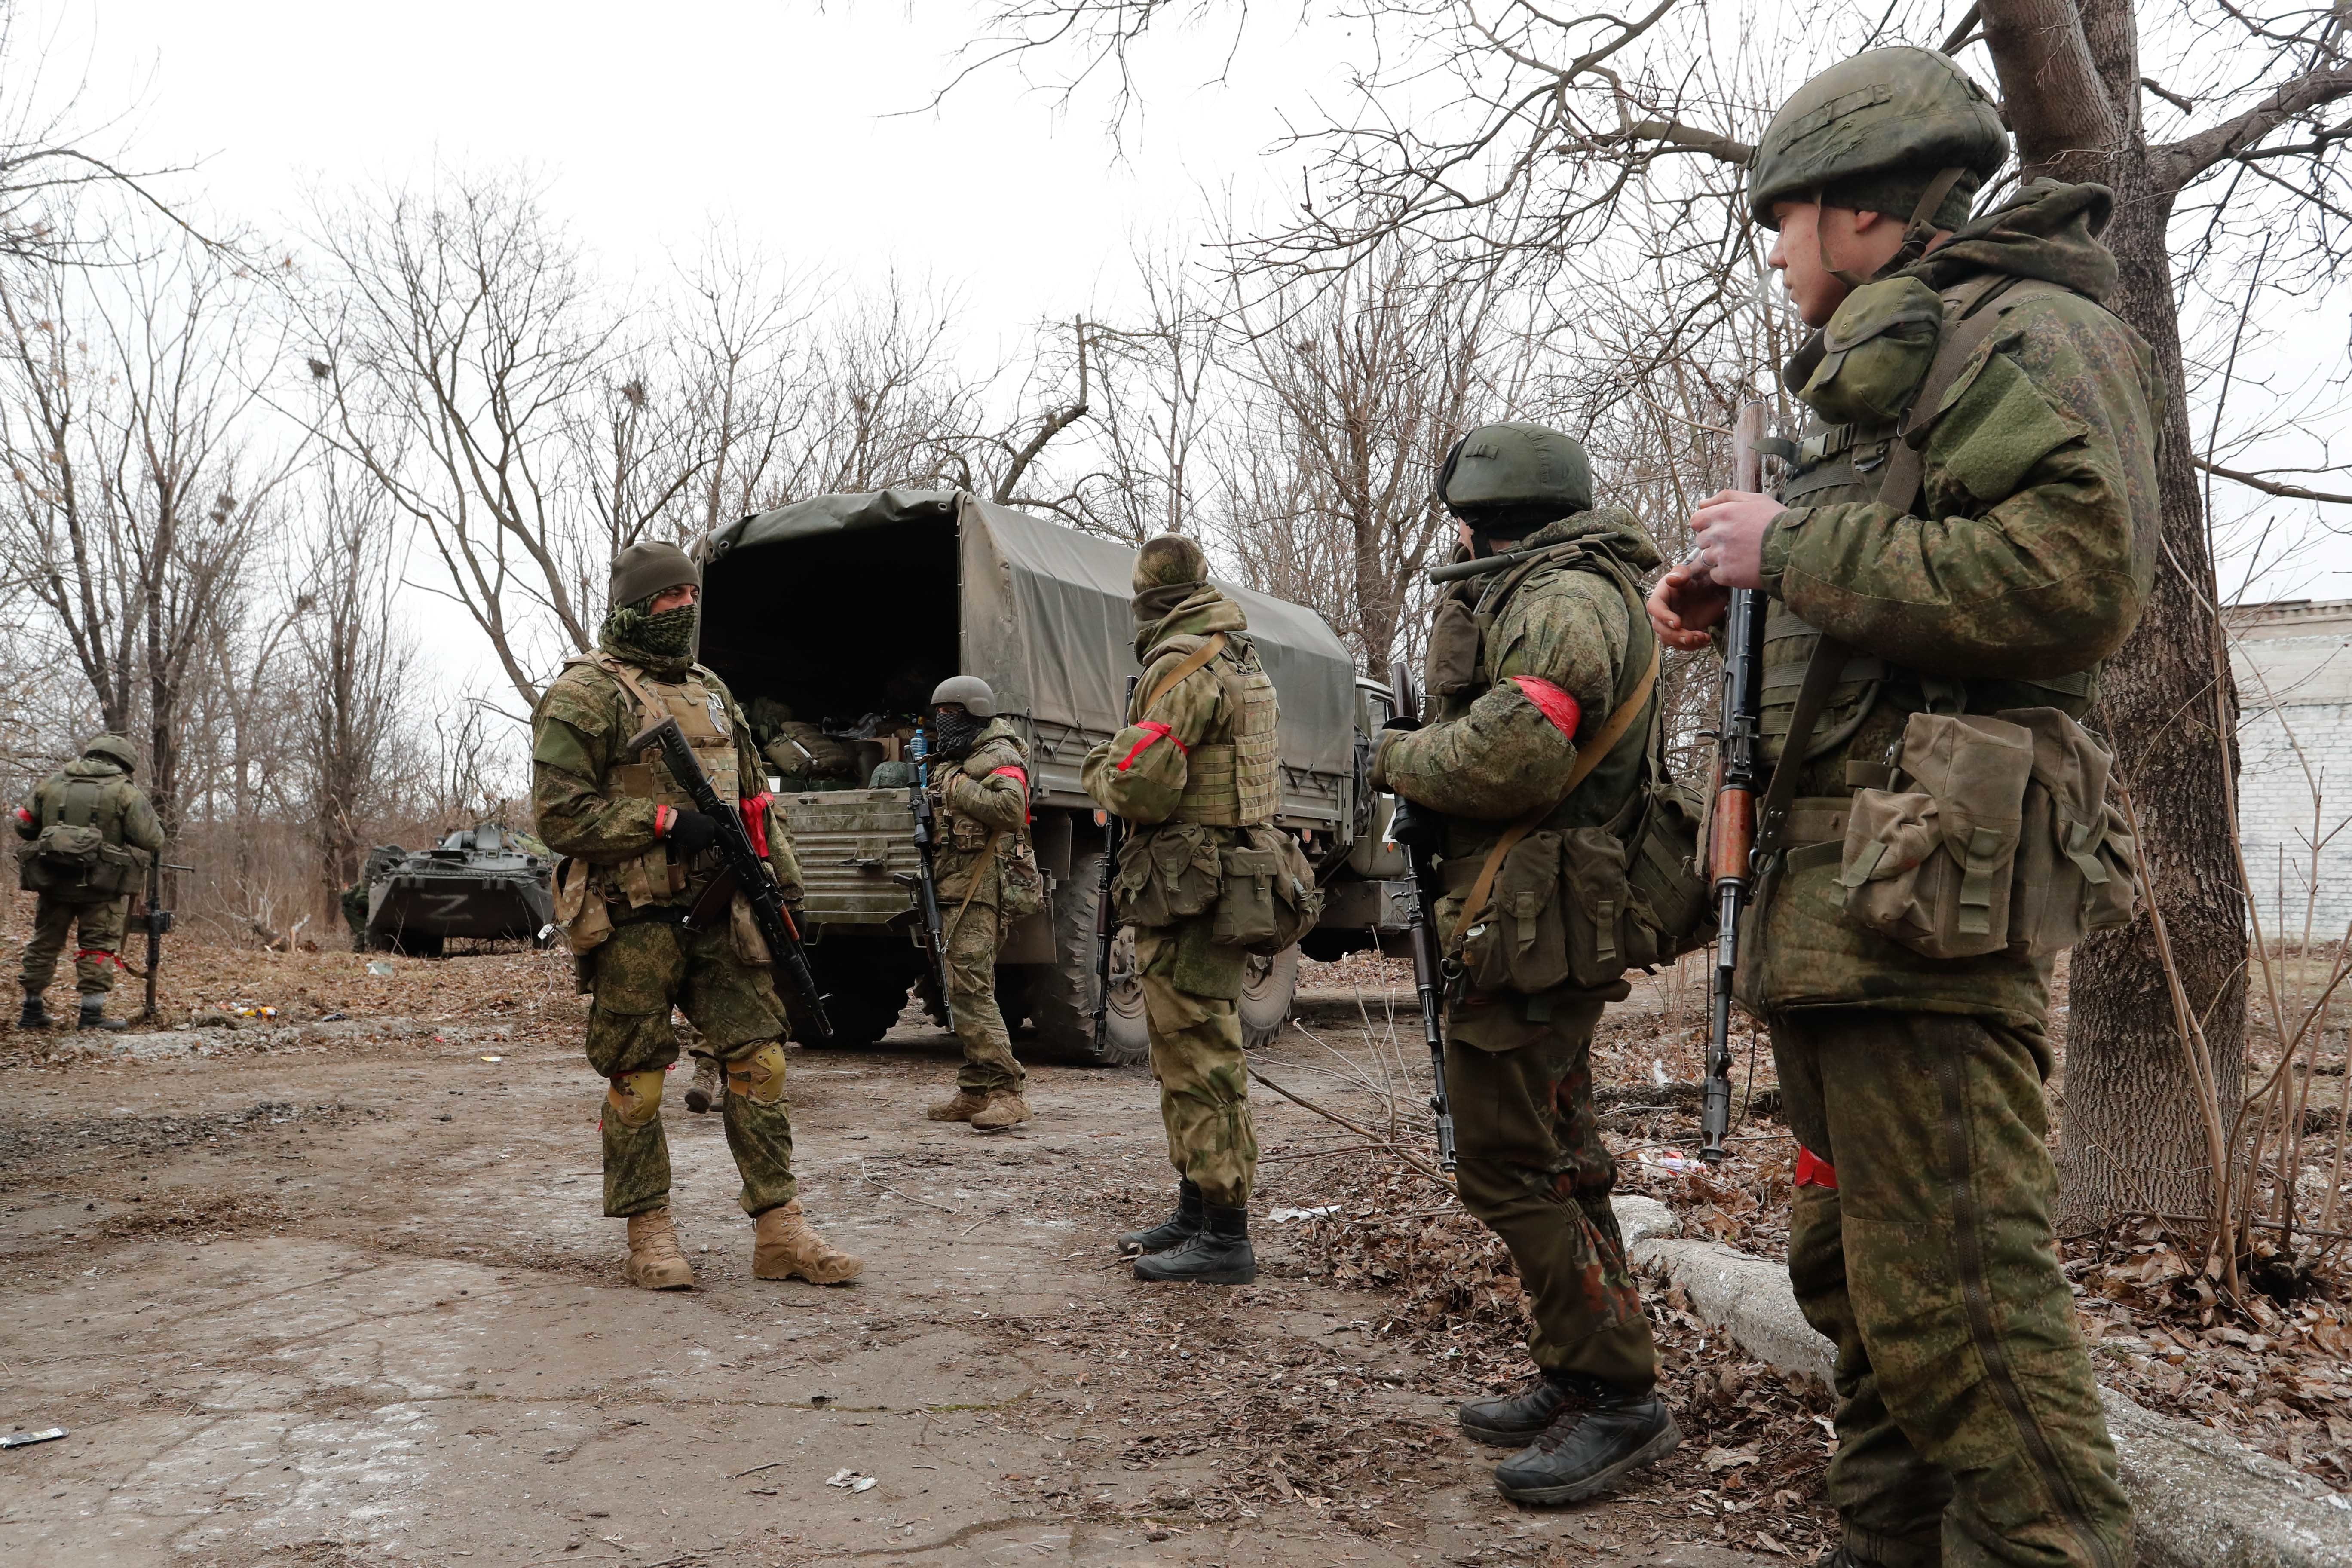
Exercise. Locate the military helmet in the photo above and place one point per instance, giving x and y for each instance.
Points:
(1872, 133)
(1515, 469)
(647, 567)
(969, 692)
(114, 748)
(1170, 561)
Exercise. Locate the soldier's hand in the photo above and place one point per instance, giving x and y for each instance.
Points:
(1416, 827)
(1685, 603)
(1729, 527)
(691, 833)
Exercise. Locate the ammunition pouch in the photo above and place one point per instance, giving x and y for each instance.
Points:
(1020, 883)
(1874, 352)
(580, 911)
(1269, 899)
(1999, 839)
(1167, 875)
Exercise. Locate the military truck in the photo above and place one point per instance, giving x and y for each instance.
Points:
(485, 882)
(832, 619)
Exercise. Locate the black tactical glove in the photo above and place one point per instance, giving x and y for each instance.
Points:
(691, 833)
(1416, 827)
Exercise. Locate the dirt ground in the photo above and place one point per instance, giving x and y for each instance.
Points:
(338, 1290)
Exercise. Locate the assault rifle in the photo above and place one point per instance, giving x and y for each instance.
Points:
(746, 867)
(1105, 925)
(1732, 842)
(158, 920)
(1414, 830)
(930, 938)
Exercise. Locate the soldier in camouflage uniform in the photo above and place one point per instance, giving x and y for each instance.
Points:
(640, 858)
(987, 877)
(1567, 668)
(1194, 765)
(1968, 528)
(89, 834)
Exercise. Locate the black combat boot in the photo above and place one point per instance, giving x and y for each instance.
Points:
(35, 1016)
(1174, 1231)
(1585, 1451)
(1217, 1254)
(1515, 1420)
(93, 1016)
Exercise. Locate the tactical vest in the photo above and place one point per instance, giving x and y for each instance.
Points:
(1458, 669)
(1832, 464)
(1230, 776)
(701, 713)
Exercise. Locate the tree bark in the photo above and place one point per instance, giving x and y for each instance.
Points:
(2133, 1137)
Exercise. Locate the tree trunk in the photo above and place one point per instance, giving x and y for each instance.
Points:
(2132, 1135)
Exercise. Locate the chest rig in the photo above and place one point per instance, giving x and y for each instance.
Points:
(1857, 699)
(700, 709)
(1230, 775)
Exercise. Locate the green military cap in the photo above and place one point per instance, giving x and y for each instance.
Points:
(1874, 134)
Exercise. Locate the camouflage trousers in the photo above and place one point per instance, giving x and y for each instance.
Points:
(101, 934)
(1968, 1424)
(989, 1064)
(645, 968)
(1191, 987)
(1535, 1171)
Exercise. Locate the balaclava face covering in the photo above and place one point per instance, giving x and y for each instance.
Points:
(663, 643)
(953, 731)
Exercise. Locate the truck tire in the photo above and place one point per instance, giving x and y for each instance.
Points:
(1266, 989)
(1061, 995)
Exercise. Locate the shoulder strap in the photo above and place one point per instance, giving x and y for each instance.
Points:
(1198, 659)
(1588, 757)
(1907, 465)
(987, 857)
(618, 671)
(1822, 672)
(80, 807)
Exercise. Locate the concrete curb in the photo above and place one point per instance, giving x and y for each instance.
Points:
(2200, 1500)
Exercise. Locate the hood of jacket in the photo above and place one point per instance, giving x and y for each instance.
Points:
(2048, 230)
(1197, 613)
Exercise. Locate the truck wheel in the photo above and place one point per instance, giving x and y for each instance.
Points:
(1061, 999)
(1266, 988)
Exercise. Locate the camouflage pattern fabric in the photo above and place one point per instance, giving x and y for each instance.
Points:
(989, 1064)
(647, 966)
(1138, 774)
(976, 800)
(1535, 1171)
(1190, 989)
(101, 930)
(1970, 1427)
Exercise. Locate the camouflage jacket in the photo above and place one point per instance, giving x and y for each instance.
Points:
(577, 732)
(2024, 562)
(124, 805)
(1139, 774)
(983, 794)
(1500, 745)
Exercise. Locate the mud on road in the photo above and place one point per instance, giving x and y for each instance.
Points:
(341, 1293)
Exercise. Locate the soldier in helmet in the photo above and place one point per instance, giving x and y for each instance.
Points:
(1527, 782)
(1966, 530)
(1193, 767)
(89, 832)
(987, 878)
(640, 856)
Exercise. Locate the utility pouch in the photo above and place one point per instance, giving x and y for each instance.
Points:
(1932, 867)
(1521, 942)
(2077, 864)
(1452, 663)
(743, 931)
(581, 912)
(1020, 883)
(1605, 936)
(1672, 898)
(1875, 351)
(1269, 899)
(63, 861)
(1166, 874)
(116, 871)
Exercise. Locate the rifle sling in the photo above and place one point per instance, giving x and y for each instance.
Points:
(987, 859)
(1197, 659)
(1588, 757)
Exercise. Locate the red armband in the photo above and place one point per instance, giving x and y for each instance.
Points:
(1812, 1171)
(1152, 731)
(755, 819)
(665, 818)
(1022, 780)
(24, 816)
(1555, 704)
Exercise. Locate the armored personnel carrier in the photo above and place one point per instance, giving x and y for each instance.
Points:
(486, 883)
(832, 620)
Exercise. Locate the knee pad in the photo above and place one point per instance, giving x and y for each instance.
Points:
(759, 1076)
(634, 1097)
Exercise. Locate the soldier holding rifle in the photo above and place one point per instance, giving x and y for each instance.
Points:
(89, 833)
(1965, 532)
(635, 898)
(1526, 782)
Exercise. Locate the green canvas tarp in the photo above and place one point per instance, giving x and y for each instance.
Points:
(1044, 617)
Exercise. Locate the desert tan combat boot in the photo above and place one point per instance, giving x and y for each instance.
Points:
(967, 1104)
(708, 1087)
(657, 1262)
(1005, 1109)
(783, 1246)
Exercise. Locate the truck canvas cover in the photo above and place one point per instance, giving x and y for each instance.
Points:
(1041, 611)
